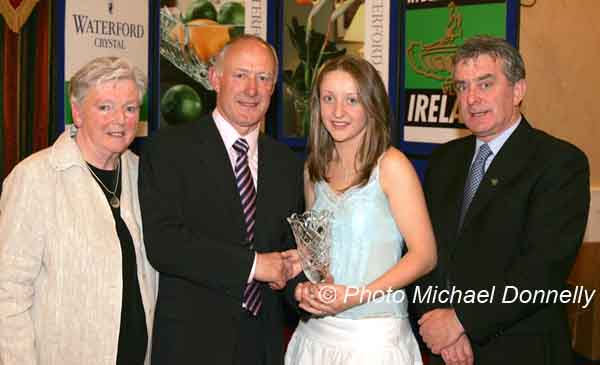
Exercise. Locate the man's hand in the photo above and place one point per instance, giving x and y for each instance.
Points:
(271, 268)
(293, 262)
(292, 266)
(459, 353)
(277, 268)
(440, 328)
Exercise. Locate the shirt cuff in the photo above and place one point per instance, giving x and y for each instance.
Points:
(251, 276)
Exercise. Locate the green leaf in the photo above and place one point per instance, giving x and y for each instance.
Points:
(297, 33)
(287, 77)
(301, 78)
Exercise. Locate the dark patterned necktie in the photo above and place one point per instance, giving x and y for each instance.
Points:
(245, 185)
(474, 179)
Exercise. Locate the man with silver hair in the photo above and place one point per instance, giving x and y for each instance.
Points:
(215, 196)
(509, 205)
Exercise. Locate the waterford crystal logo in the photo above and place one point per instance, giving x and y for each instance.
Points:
(110, 7)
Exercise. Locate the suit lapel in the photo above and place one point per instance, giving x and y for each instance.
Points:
(510, 161)
(215, 160)
(267, 182)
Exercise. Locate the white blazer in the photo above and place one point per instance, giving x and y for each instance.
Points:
(60, 260)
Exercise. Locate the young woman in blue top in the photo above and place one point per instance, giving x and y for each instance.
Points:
(360, 314)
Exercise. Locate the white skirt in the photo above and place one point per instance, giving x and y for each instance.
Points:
(339, 341)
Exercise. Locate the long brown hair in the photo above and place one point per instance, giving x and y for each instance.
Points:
(373, 97)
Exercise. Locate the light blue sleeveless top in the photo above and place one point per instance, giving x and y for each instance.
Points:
(365, 243)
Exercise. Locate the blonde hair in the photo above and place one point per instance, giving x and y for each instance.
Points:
(373, 97)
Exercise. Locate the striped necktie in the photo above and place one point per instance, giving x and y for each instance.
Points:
(245, 185)
(474, 179)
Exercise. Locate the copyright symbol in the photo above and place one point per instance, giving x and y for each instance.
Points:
(327, 294)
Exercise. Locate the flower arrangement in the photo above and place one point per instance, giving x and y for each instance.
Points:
(313, 49)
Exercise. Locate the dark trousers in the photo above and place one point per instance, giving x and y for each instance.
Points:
(251, 343)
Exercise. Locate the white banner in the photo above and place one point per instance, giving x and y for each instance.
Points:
(256, 18)
(433, 134)
(377, 40)
(106, 28)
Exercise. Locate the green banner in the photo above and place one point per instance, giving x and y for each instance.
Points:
(433, 32)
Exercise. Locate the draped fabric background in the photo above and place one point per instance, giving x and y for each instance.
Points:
(25, 65)
(16, 12)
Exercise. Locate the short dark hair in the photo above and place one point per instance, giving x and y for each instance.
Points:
(497, 48)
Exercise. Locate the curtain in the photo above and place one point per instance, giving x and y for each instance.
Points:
(16, 12)
(25, 66)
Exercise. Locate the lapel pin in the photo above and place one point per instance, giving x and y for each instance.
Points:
(494, 181)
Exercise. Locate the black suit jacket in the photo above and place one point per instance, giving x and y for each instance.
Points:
(523, 229)
(194, 234)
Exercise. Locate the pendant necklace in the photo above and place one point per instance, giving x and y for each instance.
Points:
(114, 199)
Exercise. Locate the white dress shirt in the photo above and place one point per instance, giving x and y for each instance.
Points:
(495, 144)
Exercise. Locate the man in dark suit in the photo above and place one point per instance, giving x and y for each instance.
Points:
(509, 206)
(215, 195)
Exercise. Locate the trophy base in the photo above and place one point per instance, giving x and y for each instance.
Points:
(314, 276)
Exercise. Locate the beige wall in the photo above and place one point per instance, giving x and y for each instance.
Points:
(561, 46)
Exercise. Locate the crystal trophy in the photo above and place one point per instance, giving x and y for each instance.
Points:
(313, 237)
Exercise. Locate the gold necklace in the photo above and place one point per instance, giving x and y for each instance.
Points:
(114, 199)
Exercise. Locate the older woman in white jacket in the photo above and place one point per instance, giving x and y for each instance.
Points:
(75, 285)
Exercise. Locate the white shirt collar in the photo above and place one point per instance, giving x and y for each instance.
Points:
(497, 143)
(230, 135)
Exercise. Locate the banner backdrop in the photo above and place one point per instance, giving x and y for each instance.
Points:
(256, 18)
(104, 28)
(363, 28)
(377, 37)
(191, 34)
(433, 31)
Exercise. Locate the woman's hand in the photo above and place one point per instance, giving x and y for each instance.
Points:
(327, 298)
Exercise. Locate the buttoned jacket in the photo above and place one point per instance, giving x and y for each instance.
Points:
(522, 230)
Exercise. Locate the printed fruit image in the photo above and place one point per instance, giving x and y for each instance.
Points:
(181, 104)
(231, 13)
(200, 9)
(207, 37)
(236, 31)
